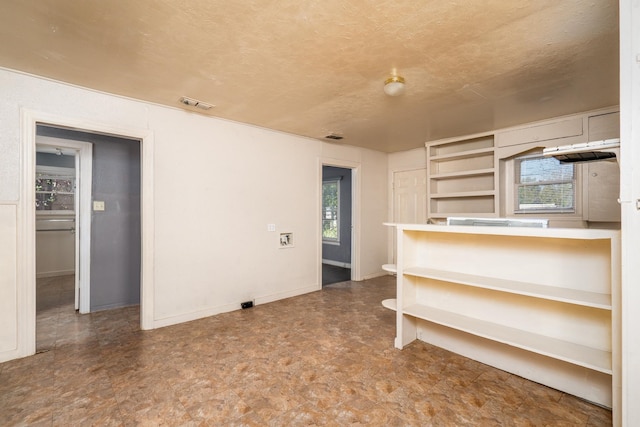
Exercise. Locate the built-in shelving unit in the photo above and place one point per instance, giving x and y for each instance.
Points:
(461, 177)
(541, 303)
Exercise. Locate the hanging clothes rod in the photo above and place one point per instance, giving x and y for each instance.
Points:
(56, 224)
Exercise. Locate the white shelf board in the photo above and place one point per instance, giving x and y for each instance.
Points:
(554, 293)
(478, 193)
(462, 154)
(469, 173)
(591, 358)
(391, 268)
(389, 303)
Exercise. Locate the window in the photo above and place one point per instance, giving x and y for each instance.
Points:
(55, 188)
(543, 184)
(330, 210)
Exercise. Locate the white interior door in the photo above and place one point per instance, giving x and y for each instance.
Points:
(410, 196)
(409, 199)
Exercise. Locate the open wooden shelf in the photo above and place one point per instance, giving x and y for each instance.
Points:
(463, 154)
(465, 194)
(553, 293)
(389, 303)
(461, 176)
(391, 268)
(576, 354)
(467, 173)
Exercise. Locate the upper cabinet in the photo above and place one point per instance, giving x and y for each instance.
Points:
(602, 179)
(604, 126)
(567, 128)
(462, 177)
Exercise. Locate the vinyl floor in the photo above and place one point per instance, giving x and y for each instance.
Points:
(325, 358)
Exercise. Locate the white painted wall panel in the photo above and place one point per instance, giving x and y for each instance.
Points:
(407, 160)
(8, 310)
(227, 183)
(55, 253)
(9, 141)
(374, 213)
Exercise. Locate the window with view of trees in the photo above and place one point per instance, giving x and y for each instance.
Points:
(330, 210)
(543, 184)
(55, 188)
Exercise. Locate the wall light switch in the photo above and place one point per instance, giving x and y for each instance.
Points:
(98, 205)
(271, 227)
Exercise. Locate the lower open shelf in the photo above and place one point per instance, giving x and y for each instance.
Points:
(391, 268)
(554, 293)
(591, 358)
(389, 303)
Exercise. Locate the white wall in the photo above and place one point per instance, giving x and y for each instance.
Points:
(216, 186)
(55, 253)
(408, 160)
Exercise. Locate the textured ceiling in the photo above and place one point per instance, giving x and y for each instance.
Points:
(317, 67)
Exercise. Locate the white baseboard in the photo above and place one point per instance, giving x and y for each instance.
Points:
(336, 263)
(187, 317)
(374, 275)
(288, 294)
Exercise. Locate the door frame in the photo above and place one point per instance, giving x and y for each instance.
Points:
(26, 272)
(84, 172)
(356, 274)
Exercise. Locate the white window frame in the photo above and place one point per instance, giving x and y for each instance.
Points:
(56, 172)
(331, 240)
(511, 193)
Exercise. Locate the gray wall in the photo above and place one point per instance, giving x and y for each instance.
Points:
(115, 232)
(342, 252)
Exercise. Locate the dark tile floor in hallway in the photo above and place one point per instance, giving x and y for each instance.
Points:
(324, 358)
(333, 274)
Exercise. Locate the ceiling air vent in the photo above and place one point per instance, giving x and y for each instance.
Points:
(195, 103)
(334, 136)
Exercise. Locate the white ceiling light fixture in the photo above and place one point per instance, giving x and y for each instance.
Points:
(394, 86)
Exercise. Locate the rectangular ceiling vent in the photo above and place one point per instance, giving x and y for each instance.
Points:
(334, 136)
(195, 103)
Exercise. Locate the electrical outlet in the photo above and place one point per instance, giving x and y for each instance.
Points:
(98, 205)
(271, 227)
(286, 240)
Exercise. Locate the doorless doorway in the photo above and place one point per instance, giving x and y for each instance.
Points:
(26, 296)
